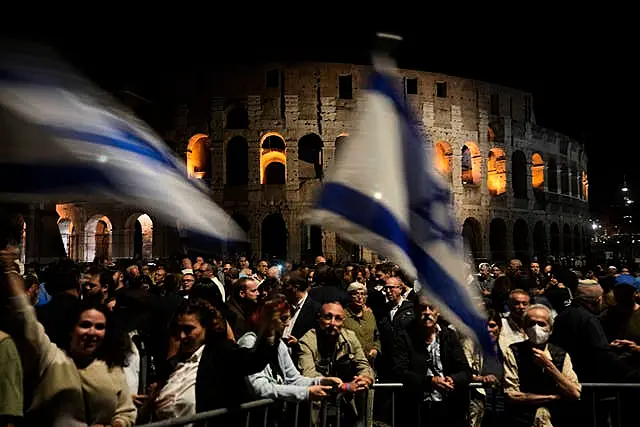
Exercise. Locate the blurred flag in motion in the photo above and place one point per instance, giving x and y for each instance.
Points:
(63, 139)
(393, 201)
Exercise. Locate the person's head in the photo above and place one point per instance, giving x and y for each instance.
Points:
(518, 302)
(94, 334)
(32, 288)
(535, 268)
(275, 305)
(624, 291)
(331, 318)
(247, 289)
(538, 323)
(188, 279)
(589, 294)
(494, 324)
(295, 287)
(195, 322)
(426, 312)
(358, 293)
(515, 267)
(394, 288)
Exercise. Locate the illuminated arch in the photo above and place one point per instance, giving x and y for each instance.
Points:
(443, 156)
(537, 171)
(585, 185)
(98, 242)
(65, 226)
(471, 163)
(198, 156)
(496, 171)
(272, 151)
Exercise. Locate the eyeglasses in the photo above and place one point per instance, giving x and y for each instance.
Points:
(329, 317)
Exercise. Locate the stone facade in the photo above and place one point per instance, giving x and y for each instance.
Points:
(288, 119)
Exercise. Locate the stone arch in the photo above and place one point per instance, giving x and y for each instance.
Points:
(199, 157)
(310, 150)
(521, 240)
(237, 117)
(237, 161)
(491, 135)
(98, 238)
(65, 226)
(552, 175)
(472, 236)
(471, 162)
(540, 241)
(519, 174)
(566, 239)
(138, 236)
(554, 239)
(339, 141)
(577, 241)
(273, 159)
(537, 172)
(498, 239)
(443, 159)
(496, 172)
(273, 237)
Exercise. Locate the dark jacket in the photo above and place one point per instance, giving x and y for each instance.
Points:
(307, 318)
(221, 380)
(409, 366)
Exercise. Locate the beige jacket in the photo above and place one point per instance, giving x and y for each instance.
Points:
(65, 394)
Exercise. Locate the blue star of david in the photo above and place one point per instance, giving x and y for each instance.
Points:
(426, 208)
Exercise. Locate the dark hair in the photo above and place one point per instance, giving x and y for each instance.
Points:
(209, 317)
(207, 290)
(115, 347)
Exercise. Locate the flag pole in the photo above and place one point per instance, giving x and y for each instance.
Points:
(385, 46)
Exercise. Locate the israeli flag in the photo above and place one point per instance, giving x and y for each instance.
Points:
(64, 140)
(385, 194)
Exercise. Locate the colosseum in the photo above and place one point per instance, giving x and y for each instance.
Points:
(262, 138)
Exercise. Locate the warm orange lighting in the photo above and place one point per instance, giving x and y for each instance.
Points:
(585, 185)
(271, 155)
(491, 135)
(537, 171)
(497, 172)
(471, 163)
(198, 156)
(442, 158)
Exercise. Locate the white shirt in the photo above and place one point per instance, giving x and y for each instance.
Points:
(394, 310)
(132, 368)
(178, 397)
(292, 322)
(221, 287)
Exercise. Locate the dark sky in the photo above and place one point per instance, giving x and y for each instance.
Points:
(582, 80)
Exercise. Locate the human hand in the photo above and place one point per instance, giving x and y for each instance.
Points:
(542, 359)
(318, 392)
(441, 384)
(331, 381)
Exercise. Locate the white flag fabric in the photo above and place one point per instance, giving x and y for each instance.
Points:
(63, 139)
(385, 194)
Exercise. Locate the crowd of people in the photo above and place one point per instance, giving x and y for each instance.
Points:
(105, 344)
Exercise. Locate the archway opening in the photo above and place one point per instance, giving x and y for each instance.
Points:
(537, 172)
(552, 175)
(237, 164)
(471, 162)
(585, 186)
(310, 155)
(577, 241)
(274, 237)
(519, 174)
(443, 158)
(198, 157)
(498, 239)
(496, 172)
(98, 239)
(540, 241)
(472, 236)
(272, 152)
(65, 226)
(521, 240)
(340, 140)
(567, 240)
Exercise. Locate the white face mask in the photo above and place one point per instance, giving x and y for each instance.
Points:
(537, 334)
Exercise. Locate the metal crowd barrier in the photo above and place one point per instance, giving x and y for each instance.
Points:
(605, 402)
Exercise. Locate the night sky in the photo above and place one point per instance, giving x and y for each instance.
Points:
(582, 81)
